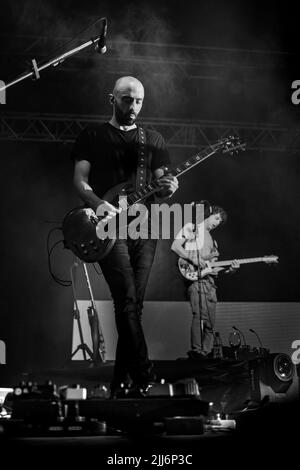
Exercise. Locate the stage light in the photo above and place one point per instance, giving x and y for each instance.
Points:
(273, 376)
(283, 367)
(279, 372)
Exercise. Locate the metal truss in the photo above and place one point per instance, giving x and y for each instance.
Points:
(190, 61)
(177, 133)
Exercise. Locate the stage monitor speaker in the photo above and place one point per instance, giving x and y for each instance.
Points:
(250, 383)
(273, 377)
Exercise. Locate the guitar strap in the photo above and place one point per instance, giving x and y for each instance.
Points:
(141, 171)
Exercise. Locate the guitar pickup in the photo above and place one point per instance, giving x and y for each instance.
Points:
(92, 216)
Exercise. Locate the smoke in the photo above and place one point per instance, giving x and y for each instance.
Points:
(142, 37)
(54, 20)
(37, 18)
(142, 42)
(143, 23)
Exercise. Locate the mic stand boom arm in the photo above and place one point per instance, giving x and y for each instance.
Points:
(36, 69)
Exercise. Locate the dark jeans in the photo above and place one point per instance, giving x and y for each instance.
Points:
(126, 270)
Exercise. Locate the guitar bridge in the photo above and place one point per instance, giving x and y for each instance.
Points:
(94, 219)
(92, 216)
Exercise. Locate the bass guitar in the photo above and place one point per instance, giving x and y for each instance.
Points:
(190, 272)
(81, 226)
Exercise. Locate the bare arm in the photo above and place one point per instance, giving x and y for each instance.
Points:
(86, 193)
(178, 248)
(81, 183)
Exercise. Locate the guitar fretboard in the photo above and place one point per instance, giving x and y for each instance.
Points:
(150, 188)
(240, 261)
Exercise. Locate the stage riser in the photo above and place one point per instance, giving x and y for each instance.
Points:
(167, 326)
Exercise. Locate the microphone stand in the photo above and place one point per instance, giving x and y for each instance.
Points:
(199, 270)
(199, 287)
(242, 334)
(36, 69)
(82, 345)
(262, 350)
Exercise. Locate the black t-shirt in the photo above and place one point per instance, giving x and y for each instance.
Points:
(113, 155)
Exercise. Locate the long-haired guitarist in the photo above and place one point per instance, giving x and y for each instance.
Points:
(105, 156)
(196, 247)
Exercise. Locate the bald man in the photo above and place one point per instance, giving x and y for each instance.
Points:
(104, 156)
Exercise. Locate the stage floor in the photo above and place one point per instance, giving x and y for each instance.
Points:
(260, 429)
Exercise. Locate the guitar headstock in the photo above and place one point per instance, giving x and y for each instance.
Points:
(232, 145)
(272, 259)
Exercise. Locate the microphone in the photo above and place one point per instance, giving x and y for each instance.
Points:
(257, 336)
(236, 329)
(101, 44)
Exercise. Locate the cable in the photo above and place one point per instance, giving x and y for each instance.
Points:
(62, 282)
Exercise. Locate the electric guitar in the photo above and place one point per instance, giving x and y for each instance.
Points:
(190, 271)
(81, 226)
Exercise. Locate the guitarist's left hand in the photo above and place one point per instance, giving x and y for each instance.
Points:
(168, 184)
(233, 267)
(213, 271)
(210, 270)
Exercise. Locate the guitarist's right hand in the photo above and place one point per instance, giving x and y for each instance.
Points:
(107, 211)
(196, 260)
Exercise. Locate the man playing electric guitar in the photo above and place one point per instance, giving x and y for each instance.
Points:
(106, 156)
(195, 244)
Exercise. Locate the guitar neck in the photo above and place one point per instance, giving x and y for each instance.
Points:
(240, 261)
(152, 187)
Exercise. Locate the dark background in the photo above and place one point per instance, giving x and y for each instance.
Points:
(256, 44)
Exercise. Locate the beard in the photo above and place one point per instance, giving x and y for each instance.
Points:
(124, 119)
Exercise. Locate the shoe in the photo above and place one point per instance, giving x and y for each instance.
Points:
(117, 393)
(119, 390)
(148, 375)
(196, 355)
(137, 391)
(142, 378)
(132, 391)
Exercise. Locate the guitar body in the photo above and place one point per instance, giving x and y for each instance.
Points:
(79, 227)
(190, 272)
